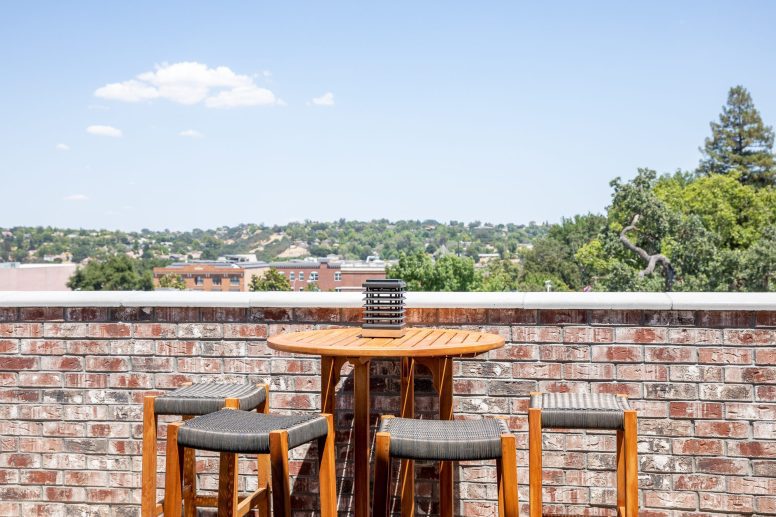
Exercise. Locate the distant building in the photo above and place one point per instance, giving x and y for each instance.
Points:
(35, 277)
(205, 275)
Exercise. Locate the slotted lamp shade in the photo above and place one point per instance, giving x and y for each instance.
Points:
(383, 308)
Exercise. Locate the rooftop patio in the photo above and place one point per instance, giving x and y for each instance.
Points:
(699, 368)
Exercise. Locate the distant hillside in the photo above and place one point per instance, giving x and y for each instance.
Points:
(350, 239)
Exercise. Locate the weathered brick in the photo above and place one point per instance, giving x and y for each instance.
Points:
(739, 504)
(200, 331)
(617, 354)
(598, 371)
(40, 379)
(9, 314)
(615, 317)
(61, 363)
(130, 314)
(699, 482)
(316, 314)
(64, 330)
(86, 313)
(107, 364)
(244, 331)
(21, 330)
(669, 318)
(642, 372)
(588, 335)
(41, 313)
(536, 334)
(752, 449)
(726, 392)
(512, 316)
(18, 363)
(257, 314)
(671, 499)
(670, 354)
(562, 317)
(697, 447)
(177, 314)
(705, 410)
(750, 337)
(641, 335)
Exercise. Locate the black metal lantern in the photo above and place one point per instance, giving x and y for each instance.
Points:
(383, 308)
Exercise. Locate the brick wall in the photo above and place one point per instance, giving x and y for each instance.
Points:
(72, 380)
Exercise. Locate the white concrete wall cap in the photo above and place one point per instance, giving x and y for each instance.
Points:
(553, 301)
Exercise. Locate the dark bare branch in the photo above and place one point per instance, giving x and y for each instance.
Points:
(651, 260)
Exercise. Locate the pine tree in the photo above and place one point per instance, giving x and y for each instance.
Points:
(740, 141)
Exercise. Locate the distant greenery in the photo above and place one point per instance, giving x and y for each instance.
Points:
(271, 280)
(172, 281)
(117, 273)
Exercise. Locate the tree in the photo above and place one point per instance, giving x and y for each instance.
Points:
(172, 281)
(415, 269)
(448, 273)
(117, 273)
(271, 280)
(740, 141)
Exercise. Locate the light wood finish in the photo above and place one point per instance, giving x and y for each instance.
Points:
(173, 480)
(327, 470)
(148, 504)
(189, 481)
(227, 485)
(407, 467)
(281, 485)
(627, 465)
(263, 464)
(417, 342)
(631, 464)
(535, 462)
(507, 477)
(383, 332)
(433, 348)
(382, 499)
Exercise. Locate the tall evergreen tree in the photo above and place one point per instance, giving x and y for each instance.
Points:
(740, 141)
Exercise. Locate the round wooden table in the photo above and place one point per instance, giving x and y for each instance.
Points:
(432, 348)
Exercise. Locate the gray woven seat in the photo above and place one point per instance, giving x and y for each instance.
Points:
(204, 398)
(580, 410)
(230, 430)
(445, 440)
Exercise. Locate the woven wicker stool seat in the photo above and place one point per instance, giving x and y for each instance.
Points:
(186, 402)
(585, 411)
(581, 410)
(231, 432)
(204, 398)
(243, 432)
(445, 440)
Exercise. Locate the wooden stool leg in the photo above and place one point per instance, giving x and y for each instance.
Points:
(263, 464)
(407, 467)
(382, 497)
(148, 479)
(535, 462)
(281, 488)
(189, 481)
(631, 465)
(173, 476)
(227, 485)
(620, 473)
(327, 472)
(446, 468)
(507, 475)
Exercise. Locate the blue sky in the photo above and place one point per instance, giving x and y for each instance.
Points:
(233, 112)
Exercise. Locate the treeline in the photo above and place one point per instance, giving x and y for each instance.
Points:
(710, 229)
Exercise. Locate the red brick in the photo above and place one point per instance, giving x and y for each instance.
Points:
(687, 336)
(9, 314)
(750, 485)
(79, 347)
(739, 504)
(66, 494)
(152, 364)
(642, 372)
(749, 411)
(754, 375)
(751, 449)
(43, 347)
(316, 314)
(615, 317)
(536, 334)
(728, 355)
(726, 319)
(174, 348)
(632, 390)
(86, 313)
(695, 373)
(705, 410)
(109, 330)
(537, 371)
(588, 335)
(41, 313)
(765, 393)
(18, 363)
(765, 356)
(750, 337)
(617, 354)
(177, 314)
(131, 380)
(722, 429)
(763, 318)
(765, 505)
(171, 381)
(200, 330)
(699, 482)
(154, 330)
(562, 317)
(671, 499)
(588, 371)
(86, 380)
(66, 330)
(39, 477)
(697, 447)
(20, 330)
(40, 379)
(564, 353)
(670, 354)
(11, 493)
(269, 314)
(106, 364)
(726, 392)
(512, 316)
(61, 363)
(9, 346)
(244, 331)
(669, 318)
(86, 478)
(641, 335)
(19, 396)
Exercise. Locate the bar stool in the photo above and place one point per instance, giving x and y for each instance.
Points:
(446, 440)
(186, 402)
(585, 411)
(231, 432)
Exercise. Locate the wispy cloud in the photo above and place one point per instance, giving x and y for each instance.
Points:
(190, 83)
(104, 131)
(327, 99)
(62, 147)
(76, 197)
(191, 133)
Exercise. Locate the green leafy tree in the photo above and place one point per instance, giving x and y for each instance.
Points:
(172, 281)
(501, 275)
(740, 141)
(117, 273)
(453, 273)
(271, 280)
(415, 269)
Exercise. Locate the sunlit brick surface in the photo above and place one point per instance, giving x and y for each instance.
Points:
(72, 380)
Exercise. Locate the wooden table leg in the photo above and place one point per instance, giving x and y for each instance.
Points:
(407, 468)
(330, 374)
(361, 439)
(446, 468)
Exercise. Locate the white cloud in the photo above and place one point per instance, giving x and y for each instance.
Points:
(76, 197)
(104, 131)
(62, 147)
(327, 99)
(190, 83)
(191, 133)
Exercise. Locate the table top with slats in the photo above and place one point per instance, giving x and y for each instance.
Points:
(416, 342)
